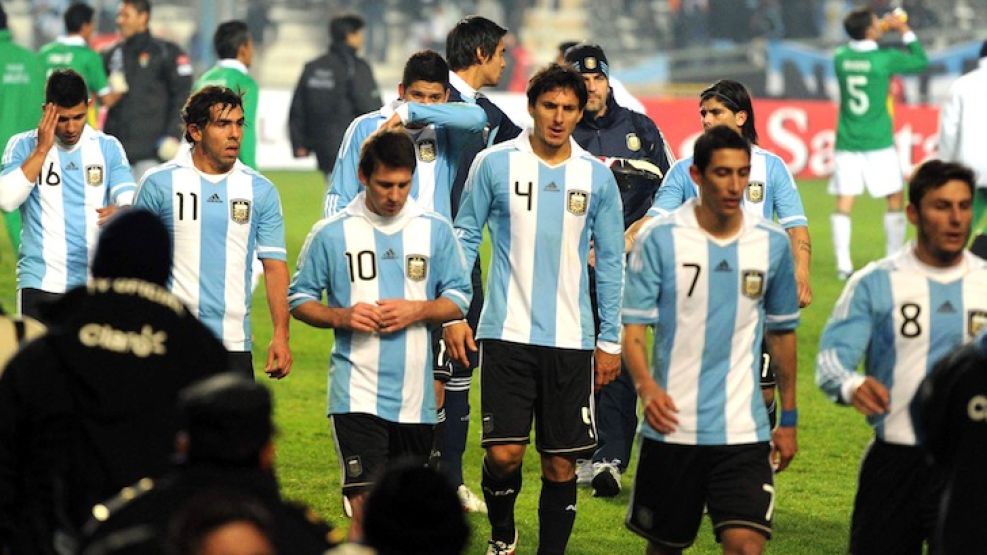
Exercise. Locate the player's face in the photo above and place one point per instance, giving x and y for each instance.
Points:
(721, 186)
(598, 87)
(494, 66)
(71, 121)
(943, 221)
(217, 145)
(424, 92)
(555, 114)
(713, 113)
(387, 189)
(130, 21)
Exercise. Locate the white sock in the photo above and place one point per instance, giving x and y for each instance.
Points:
(841, 241)
(894, 231)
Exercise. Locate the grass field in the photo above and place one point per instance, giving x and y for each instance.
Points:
(814, 496)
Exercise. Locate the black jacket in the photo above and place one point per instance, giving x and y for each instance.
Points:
(625, 134)
(332, 91)
(90, 407)
(159, 75)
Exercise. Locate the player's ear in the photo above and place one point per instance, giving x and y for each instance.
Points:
(401, 91)
(695, 174)
(480, 58)
(195, 132)
(912, 212)
(741, 118)
(446, 97)
(361, 177)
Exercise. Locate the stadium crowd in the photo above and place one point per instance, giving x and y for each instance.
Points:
(133, 424)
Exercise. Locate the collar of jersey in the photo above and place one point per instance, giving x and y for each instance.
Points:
(71, 40)
(184, 159)
(865, 45)
(87, 132)
(232, 63)
(465, 90)
(523, 143)
(388, 226)
(906, 260)
(686, 216)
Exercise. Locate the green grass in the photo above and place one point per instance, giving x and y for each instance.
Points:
(814, 496)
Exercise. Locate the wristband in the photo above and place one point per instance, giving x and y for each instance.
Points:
(454, 322)
(788, 418)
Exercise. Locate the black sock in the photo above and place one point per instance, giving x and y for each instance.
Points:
(451, 441)
(435, 457)
(500, 495)
(557, 514)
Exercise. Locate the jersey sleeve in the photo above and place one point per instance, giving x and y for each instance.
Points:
(781, 305)
(787, 202)
(845, 338)
(460, 116)
(676, 188)
(643, 281)
(913, 61)
(608, 242)
(474, 208)
(453, 279)
(15, 187)
(148, 195)
(270, 226)
(312, 275)
(344, 182)
(121, 183)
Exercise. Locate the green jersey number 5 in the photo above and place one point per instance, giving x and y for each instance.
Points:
(859, 103)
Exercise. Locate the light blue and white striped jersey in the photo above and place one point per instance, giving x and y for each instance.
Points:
(770, 194)
(448, 129)
(358, 256)
(60, 223)
(542, 220)
(711, 300)
(216, 222)
(899, 316)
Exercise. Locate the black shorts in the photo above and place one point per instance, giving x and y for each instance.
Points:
(367, 444)
(674, 482)
(767, 368)
(897, 501)
(242, 363)
(554, 386)
(34, 303)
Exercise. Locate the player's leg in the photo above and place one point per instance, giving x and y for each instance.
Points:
(742, 541)
(564, 428)
(362, 445)
(741, 496)
(616, 413)
(882, 176)
(34, 303)
(507, 396)
(242, 362)
(846, 183)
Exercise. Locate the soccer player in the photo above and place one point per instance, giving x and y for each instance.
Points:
(66, 178)
(900, 315)
(710, 278)
(865, 153)
(219, 212)
(475, 49)
(440, 131)
(72, 51)
(544, 200)
(389, 267)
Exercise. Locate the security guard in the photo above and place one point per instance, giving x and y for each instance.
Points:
(631, 144)
(226, 448)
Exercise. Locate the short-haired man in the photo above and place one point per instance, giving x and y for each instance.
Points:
(154, 77)
(66, 178)
(617, 88)
(544, 200)
(332, 90)
(475, 50)
(865, 153)
(710, 279)
(900, 315)
(235, 50)
(219, 212)
(389, 268)
(638, 156)
(439, 130)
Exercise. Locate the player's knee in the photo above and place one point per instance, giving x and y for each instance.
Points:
(558, 469)
(741, 541)
(505, 459)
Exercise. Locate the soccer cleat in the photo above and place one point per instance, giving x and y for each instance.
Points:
(497, 547)
(584, 472)
(606, 479)
(471, 502)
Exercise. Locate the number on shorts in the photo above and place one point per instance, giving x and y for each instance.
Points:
(771, 501)
(859, 102)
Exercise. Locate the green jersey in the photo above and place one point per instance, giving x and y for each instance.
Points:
(864, 72)
(232, 74)
(73, 53)
(21, 89)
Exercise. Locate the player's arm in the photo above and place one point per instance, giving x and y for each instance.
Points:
(16, 185)
(273, 255)
(675, 189)
(915, 60)
(781, 308)
(608, 244)
(455, 284)
(458, 116)
(344, 183)
(791, 215)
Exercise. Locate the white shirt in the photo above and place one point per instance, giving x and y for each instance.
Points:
(962, 121)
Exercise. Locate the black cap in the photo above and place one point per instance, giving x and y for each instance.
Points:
(227, 418)
(588, 58)
(133, 244)
(983, 50)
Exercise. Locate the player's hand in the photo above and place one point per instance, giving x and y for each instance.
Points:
(393, 122)
(871, 397)
(397, 314)
(278, 359)
(606, 368)
(804, 289)
(301, 152)
(46, 128)
(363, 317)
(591, 258)
(632, 232)
(658, 407)
(106, 212)
(440, 393)
(784, 445)
(458, 338)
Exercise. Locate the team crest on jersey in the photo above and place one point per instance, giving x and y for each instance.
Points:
(240, 210)
(426, 150)
(752, 283)
(976, 321)
(94, 175)
(633, 142)
(577, 201)
(416, 267)
(755, 191)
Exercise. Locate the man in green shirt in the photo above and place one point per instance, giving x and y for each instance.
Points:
(72, 52)
(865, 153)
(21, 96)
(235, 50)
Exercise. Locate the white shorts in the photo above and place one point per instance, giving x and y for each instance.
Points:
(879, 170)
